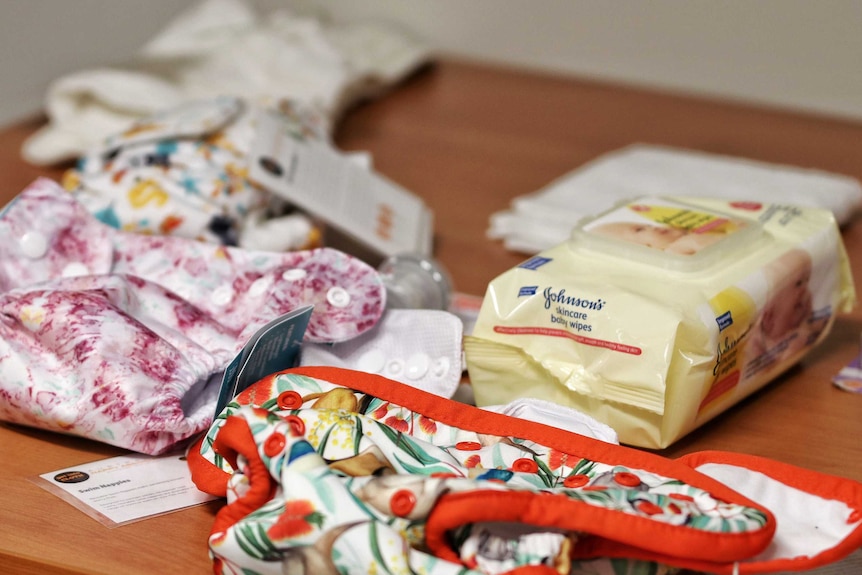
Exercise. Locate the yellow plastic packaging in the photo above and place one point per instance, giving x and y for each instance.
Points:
(662, 313)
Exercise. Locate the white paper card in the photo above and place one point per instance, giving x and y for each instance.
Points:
(128, 488)
(338, 190)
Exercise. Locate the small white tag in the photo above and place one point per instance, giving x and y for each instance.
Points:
(125, 489)
(331, 186)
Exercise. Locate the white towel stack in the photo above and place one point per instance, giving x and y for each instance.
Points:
(545, 218)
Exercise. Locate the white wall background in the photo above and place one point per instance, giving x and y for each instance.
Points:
(797, 54)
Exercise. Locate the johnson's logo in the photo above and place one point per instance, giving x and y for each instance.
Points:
(724, 320)
(527, 291)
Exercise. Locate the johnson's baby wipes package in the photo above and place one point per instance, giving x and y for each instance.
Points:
(662, 312)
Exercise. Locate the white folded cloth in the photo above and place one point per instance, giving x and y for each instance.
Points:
(221, 47)
(545, 218)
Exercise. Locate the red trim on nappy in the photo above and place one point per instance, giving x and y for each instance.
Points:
(235, 438)
(819, 484)
(206, 476)
(608, 532)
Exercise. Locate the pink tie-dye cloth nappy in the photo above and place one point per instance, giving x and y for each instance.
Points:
(123, 337)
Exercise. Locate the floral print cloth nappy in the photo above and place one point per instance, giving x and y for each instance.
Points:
(122, 337)
(184, 172)
(327, 470)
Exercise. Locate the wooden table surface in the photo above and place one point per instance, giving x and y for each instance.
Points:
(468, 138)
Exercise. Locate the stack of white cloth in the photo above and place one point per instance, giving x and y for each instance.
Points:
(545, 218)
(222, 47)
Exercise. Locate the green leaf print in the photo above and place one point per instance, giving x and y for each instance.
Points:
(406, 444)
(374, 546)
(357, 434)
(256, 543)
(256, 428)
(584, 467)
(270, 404)
(549, 478)
(422, 469)
(293, 381)
(321, 446)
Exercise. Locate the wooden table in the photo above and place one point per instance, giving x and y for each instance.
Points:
(468, 138)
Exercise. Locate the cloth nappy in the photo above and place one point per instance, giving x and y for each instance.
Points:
(122, 337)
(226, 47)
(328, 470)
(418, 347)
(184, 172)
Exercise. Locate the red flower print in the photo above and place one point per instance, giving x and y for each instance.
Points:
(473, 461)
(427, 425)
(557, 459)
(169, 224)
(381, 411)
(258, 393)
(397, 423)
(297, 519)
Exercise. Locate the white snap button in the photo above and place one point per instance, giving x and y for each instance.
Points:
(222, 295)
(395, 366)
(75, 269)
(294, 274)
(338, 297)
(371, 361)
(34, 245)
(440, 366)
(259, 286)
(417, 366)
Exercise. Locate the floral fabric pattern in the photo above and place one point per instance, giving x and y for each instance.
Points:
(184, 172)
(331, 474)
(122, 337)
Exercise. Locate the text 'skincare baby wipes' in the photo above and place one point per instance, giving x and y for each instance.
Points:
(662, 312)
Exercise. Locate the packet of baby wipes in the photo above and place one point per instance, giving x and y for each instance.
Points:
(661, 313)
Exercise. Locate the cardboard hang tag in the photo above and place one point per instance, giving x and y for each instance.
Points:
(272, 348)
(332, 187)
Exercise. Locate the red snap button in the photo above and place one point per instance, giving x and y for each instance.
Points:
(627, 479)
(297, 425)
(681, 497)
(573, 481)
(468, 446)
(402, 502)
(524, 465)
(289, 400)
(649, 508)
(274, 444)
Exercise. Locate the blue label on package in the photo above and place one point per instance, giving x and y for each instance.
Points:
(724, 320)
(274, 347)
(534, 263)
(527, 290)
